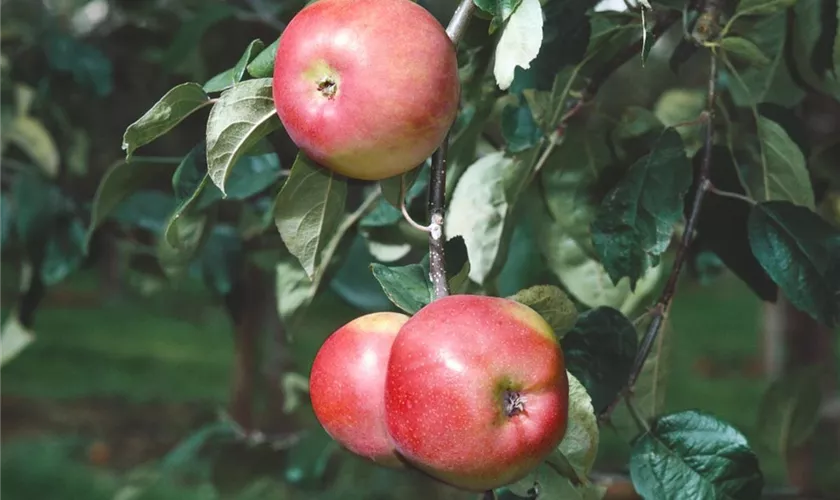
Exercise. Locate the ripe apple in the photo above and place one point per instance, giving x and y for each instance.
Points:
(476, 393)
(347, 383)
(366, 88)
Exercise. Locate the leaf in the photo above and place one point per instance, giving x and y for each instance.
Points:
(680, 106)
(782, 173)
(801, 253)
(408, 287)
(14, 338)
(263, 65)
(744, 50)
(242, 116)
(690, 454)
(221, 259)
(635, 221)
(580, 443)
(88, 65)
(175, 106)
(384, 213)
(308, 210)
(599, 351)
(499, 9)
(519, 128)
(184, 233)
(790, 409)
(294, 288)
(480, 207)
(520, 42)
(762, 7)
(188, 449)
(234, 75)
(815, 41)
(354, 282)
(32, 138)
(123, 179)
(65, 251)
(552, 304)
(416, 181)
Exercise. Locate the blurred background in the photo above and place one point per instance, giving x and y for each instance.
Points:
(118, 383)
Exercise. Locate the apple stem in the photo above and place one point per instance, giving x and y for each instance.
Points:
(437, 182)
(404, 210)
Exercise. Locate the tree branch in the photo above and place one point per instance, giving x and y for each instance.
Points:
(660, 310)
(437, 181)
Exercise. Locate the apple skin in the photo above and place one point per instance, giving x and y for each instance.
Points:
(347, 383)
(366, 88)
(451, 368)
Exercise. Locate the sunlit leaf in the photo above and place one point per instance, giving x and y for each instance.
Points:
(520, 42)
(552, 304)
(781, 173)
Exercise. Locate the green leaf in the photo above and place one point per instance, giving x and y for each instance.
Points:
(790, 409)
(690, 454)
(744, 50)
(228, 78)
(184, 233)
(599, 351)
(814, 53)
(552, 304)
(354, 282)
(499, 9)
(243, 115)
(123, 179)
(65, 251)
(580, 444)
(408, 287)
(417, 176)
(38, 204)
(801, 253)
(176, 105)
(14, 338)
(679, 106)
(762, 7)
(782, 173)
(263, 65)
(221, 259)
(294, 289)
(145, 209)
(519, 128)
(308, 210)
(520, 42)
(188, 449)
(636, 219)
(34, 139)
(7, 220)
(481, 206)
(88, 65)
(384, 213)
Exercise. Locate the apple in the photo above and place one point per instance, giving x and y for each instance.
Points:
(476, 392)
(366, 88)
(347, 383)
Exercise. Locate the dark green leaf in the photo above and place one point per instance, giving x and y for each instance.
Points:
(408, 287)
(263, 65)
(391, 185)
(38, 205)
(308, 210)
(169, 111)
(145, 209)
(789, 409)
(229, 78)
(243, 115)
(744, 50)
(354, 282)
(599, 351)
(123, 179)
(309, 460)
(252, 174)
(480, 208)
(761, 7)
(221, 259)
(636, 133)
(184, 233)
(65, 251)
(552, 304)
(188, 449)
(635, 221)
(384, 213)
(801, 253)
(519, 128)
(499, 9)
(781, 173)
(88, 65)
(694, 455)
(188, 37)
(457, 266)
(190, 180)
(7, 220)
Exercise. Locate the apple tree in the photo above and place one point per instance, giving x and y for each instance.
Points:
(545, 193)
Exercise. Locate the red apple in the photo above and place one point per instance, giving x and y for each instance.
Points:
(366, 88)
(347, 383)
(476, 393)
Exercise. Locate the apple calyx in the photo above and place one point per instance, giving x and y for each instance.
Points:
(327, 86)
(514, 403)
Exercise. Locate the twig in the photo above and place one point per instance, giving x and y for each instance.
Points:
(437, 181)
(660, 310)
(729, 194)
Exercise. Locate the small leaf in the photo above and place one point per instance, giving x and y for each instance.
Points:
(234, 75)
(782, 173)
(408, 287)
(552, 304)
(690, 454)
(481, 205)
(386, 214)
(122, 180)
(580, 444)
(600, 351)
(14, 338)
(263, 65)
(499, 9)
(169, 111)
(635, 221)
(416, 181)
(789, 409)
(308, 210)
(744, 49)
(801, 253)
(32, 138)
(762, 7)
(520, 42)
(243, 115)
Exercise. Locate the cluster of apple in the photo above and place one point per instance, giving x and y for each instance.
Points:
(471, 389)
